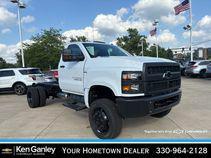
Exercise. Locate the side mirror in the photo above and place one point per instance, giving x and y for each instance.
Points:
(67, 55)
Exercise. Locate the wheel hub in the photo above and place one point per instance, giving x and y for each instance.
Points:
(101, 120)
(19, 89)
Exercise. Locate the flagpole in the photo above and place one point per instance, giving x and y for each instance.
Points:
(157, 46)
(157, 39)
(191, 24)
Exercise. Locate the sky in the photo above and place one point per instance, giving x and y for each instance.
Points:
(108, 19)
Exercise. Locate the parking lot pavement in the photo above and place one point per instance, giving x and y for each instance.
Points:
(190, 119)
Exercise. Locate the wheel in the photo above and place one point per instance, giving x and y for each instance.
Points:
(104, 119)
(161, 114)
(33, 97)
(20, 88)
(202, 73)
(42, 95)
(187, 75)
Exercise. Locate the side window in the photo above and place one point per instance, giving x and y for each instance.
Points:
(7, 73)
(72, 53)
(91, 50)
(204, 63)
(74, 49)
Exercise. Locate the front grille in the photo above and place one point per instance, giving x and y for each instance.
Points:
(155, 81)
(162, 85)
(162, 69)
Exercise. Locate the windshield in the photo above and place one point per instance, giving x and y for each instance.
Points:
(30, 71)
(103, 50)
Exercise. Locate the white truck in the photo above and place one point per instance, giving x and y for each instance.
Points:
(112, 84)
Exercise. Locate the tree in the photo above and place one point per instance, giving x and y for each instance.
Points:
(131, 42)
(78, 39)
(4, 64)
(44, 51)
(169, 54)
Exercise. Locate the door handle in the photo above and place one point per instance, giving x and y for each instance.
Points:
(62, 66)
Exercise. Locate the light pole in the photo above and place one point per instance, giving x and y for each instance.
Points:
(142, 46)
(20, 5)
(189, 28)
(156, 25)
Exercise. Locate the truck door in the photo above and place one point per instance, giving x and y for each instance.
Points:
(71, 72)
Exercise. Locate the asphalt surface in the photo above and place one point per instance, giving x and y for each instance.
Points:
(190, 119)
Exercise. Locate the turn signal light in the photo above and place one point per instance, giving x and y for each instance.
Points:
(126, 88)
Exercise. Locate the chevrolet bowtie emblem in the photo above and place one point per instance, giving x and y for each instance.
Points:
(6, 151)
(167, 75)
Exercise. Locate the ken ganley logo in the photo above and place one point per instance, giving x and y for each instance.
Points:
(6, 151)
(34, 150)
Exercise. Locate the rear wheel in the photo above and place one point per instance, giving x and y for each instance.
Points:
(42, 96)
(202, 73)
(104, 119)
(161, 114)
(20, 88)
(33, 97)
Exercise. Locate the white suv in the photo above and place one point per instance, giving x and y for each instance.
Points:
(197, 68)
(18, 79)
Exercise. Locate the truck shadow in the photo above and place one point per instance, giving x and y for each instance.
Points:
(137, 122)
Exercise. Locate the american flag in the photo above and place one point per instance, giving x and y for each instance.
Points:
(153, 32)
(185, 5)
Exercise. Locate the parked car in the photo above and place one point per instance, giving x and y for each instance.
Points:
(197, 68)
(53, 73)
(208, 71)
(50, 78)
(18, 79)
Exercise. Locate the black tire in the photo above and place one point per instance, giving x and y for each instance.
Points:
(42, 96)
(202, 74)
(104, 119)
(161, 114)
(20, 88)
(33, 97)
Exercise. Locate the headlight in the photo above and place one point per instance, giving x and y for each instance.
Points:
(131, 76)
(131, 82)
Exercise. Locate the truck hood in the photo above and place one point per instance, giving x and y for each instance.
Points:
(125, 61)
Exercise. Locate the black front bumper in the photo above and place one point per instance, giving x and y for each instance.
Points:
(142, 106)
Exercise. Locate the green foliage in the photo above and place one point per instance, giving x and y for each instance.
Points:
(79, 39)
(44, 52)
(4, 64)
(132, 43)
(187, 56)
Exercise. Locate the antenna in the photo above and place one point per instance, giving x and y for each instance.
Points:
(93, 32)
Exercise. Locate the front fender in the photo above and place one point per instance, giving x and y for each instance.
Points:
(104, 83)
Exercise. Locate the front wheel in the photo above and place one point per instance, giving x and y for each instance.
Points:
(161, 114)
(104, 119)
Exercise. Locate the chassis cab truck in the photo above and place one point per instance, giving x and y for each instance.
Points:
(112, 84)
